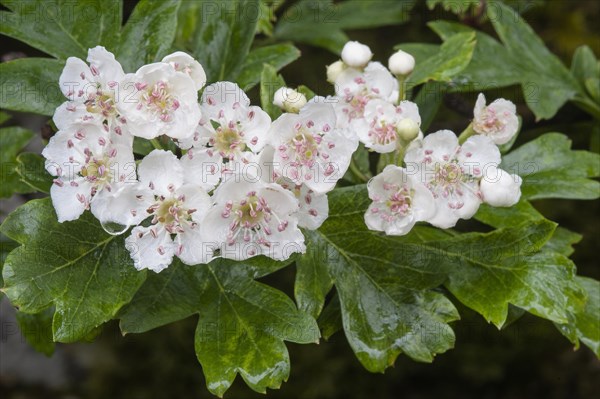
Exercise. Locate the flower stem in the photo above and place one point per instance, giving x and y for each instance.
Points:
(468, 132)
(156, 144)
(401, 88)
(357, 173)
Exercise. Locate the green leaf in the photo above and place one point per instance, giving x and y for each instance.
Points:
(86, 273)
(478, 75)
(505, 267)
(37, 330)
(523, 58)
(322, 23)
(550, 169)
(278, 56)
(454, 55)
(242, 323)
(459, 7)
(585, 325)
(504, 217)
(313, 281)
(429, 100)
(562, 241)
(31, 85)
(308, 93)
(148, 34)
(6, 245)
(32, 172)
(63, 28)
(223, 38)
(359, 172)
(330, 320)
(379, 282)
(4, 117)
(270, 81)
(384, 283)
(585, 65)
(12, 141)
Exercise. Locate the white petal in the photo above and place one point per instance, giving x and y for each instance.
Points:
(479, 107)
(161, 171)
(104, 61)
(148, 250)
(72, 199)
(76, 79)
(256, 129)
(125, 204)
(223, 96)
(191, 249)
(185, 63)
(477, 154)
(311, 215)
(202, 167)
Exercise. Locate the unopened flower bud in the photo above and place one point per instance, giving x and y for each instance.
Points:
(356, 55)
(334, 71)
(289, 100)
(500, 188)
(401, 63)
(407, 129)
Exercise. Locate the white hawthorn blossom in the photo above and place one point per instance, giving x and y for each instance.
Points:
(354, 88)
(185, 63)
(252, 218)
(93, 93)
(314, 207)
(399, 201)
(500, 188)
(309, 148)
(384, 124)
(452, 172)
(157, 100)
(228, 136)
(177, 210)
(91, 171)
(498, 120)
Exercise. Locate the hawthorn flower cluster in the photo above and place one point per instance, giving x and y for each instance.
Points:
(439, 178)
(225, 180)
(235, 184)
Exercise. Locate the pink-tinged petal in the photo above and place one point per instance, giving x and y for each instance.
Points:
(110, 70)
(150, 248)
(76, 78)
(70, 198)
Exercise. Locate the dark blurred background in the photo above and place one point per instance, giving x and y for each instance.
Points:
(529, 359)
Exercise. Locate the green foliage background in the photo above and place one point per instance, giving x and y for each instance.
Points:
(528, 358)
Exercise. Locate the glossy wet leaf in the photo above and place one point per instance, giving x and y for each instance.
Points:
(32, 172)
(522, 57)
(222, 35)
(148, 33)
(270, 82)
(12, 141)
(453, 56)
(277, 56)
(322, 23)
(242, 323)
(31, 85)
(585, 325)
(84, 272)
(384, 283)
(63, 28)
(550, 169)
(37, 330)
